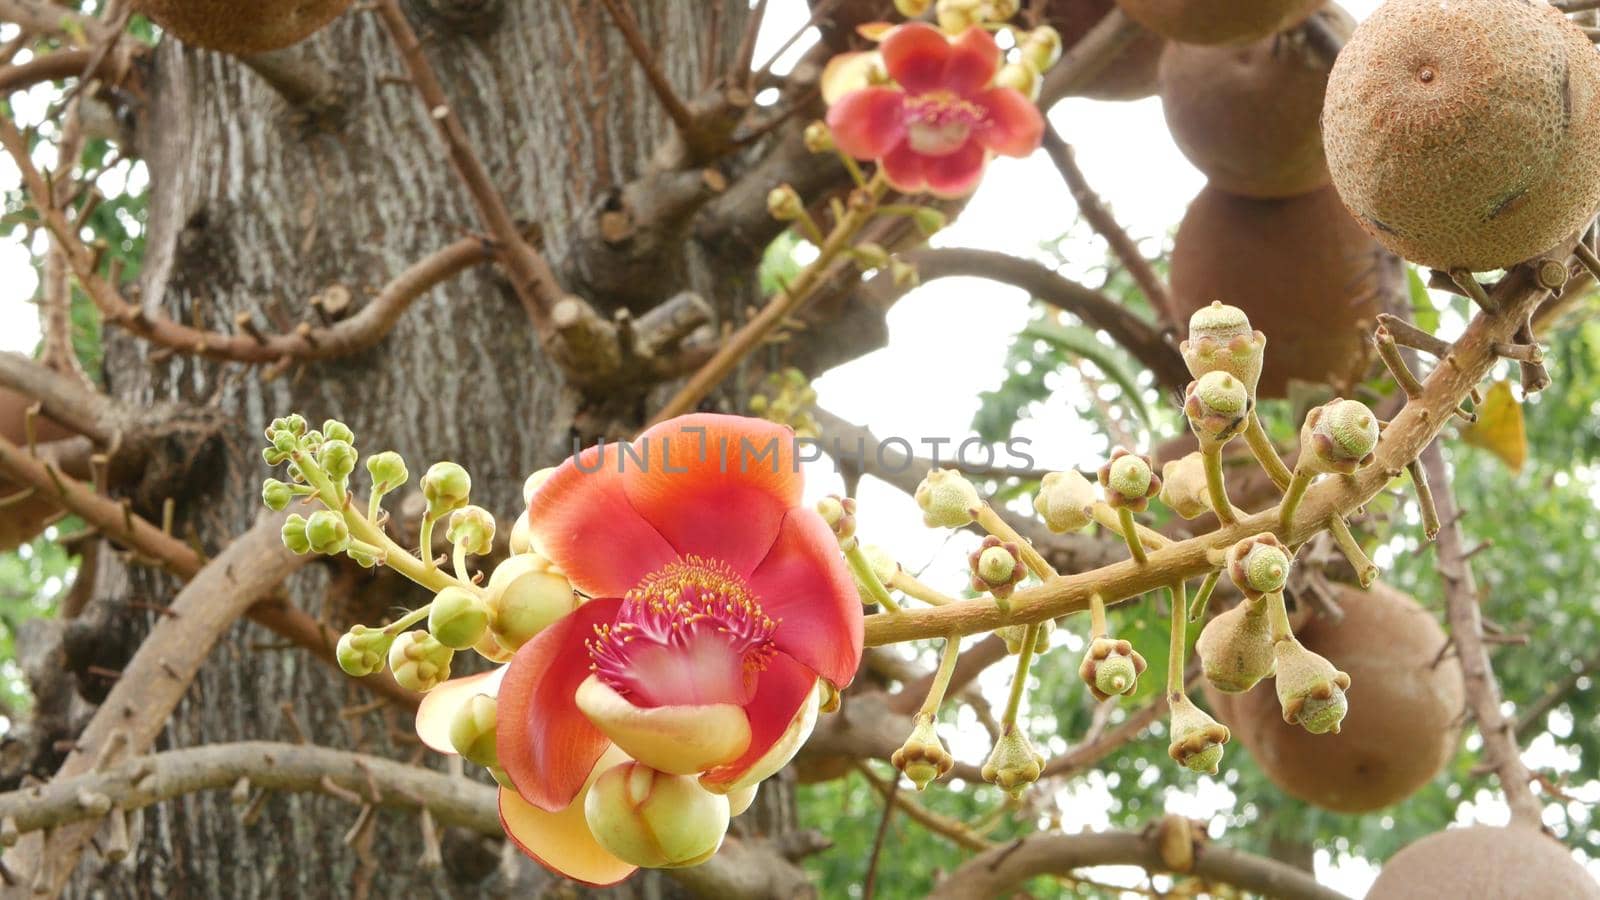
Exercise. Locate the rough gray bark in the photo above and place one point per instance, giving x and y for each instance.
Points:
(256, 206)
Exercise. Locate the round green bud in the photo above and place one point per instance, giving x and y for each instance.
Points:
(840, 514)
(1216, 405)
(457, 618)
(1042, 47)
(1221, 339)
(947, 499)
(996, 564)
(1130, 476)
(1115, 675)
(294, 534)
(276, 495)
(419, 662)
(388, 471)
(784, 204)
(446, 486)
(472, 527)
(1111, 667)
(1259, 565)
(273, 456)
(1183, 486)
(1197, 738)
(912, 9)
(335, 430)
(362, 651)
(523, 597)
(923, 756)
(1013, 764)
(1339, 436)
(472, 731)
(327, 532)
(1021, 77)
(929, 222)
(655, 820)
(338, 459)
(1065, 501)
(818, 138)
(1310, 690)
(284, 442)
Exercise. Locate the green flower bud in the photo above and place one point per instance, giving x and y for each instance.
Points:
(1236, 648)
(947, 499)
(818, 138)
(524, 597)
(1021, 77)
(1065, 501)
(1013, 764)
(473, 527)
(276, 495)
(388, 471)
(655, 820)
(1042, 47)
(1183, 486)
(362, 650)
(996, 568)
(1197, 738)
(273, 456)
(1310, 690)
(472, 731)
(457, 618)
(1014, 635)
(335, 430)
(840, 514)
(1111, 667)
(1218, 408)
(870, 256)
(446, 486)
(312, 440)
(1338, 436)
(1259, 565)
(419, 662)
(1221, 339)
(284, 442)
(784, 204)
(338, 459)
(912, 9)
(1129, 480)
(327, 532)
(923, 756)
(294, 534)
(929, 222)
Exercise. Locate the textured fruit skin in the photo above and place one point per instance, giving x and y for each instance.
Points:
(24, 520)
(1248, 116)
(242, 28)
(1305, 273)
(1483, 862)
(1218, 21)
(1401, 728)
(1461, 133)
(1132, 74)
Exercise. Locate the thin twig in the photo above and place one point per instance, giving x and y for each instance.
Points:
(640, 48)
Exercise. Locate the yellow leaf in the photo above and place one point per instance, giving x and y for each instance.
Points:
(1500, 428)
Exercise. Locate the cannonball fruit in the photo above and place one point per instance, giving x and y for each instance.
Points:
(1249, 116)
(1484, 862)
(1218, 21)
(1301, 269)
(1462, 133)
(1402, 725)
(242, 28)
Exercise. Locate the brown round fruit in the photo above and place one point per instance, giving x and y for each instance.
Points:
(1302, 270)
(24, 519)
(1129, 76)
(242, 28)
(1218, 21)
(1248, 116)
(1481, 861)
(1401, 729)
(1462, 134)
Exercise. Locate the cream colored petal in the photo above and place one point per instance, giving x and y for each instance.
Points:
(561, 841)
(782, 752)
(680, 740)
(440, 704)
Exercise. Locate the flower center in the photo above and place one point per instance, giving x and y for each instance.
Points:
(689, 634)
(939, 123)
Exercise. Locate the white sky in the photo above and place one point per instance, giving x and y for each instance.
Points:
(912, 390)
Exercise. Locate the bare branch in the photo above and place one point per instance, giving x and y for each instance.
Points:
(1466, 632)
(623, 18)
(995, 872)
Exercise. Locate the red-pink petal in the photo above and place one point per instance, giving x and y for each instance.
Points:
(867, 123)
(902, 167)
(973, 61)
(716, 486)
(782, 690)
(915, 55)
(546, 745)
(957, 174)
(581, 519)
(1013, 126)
(805, 586)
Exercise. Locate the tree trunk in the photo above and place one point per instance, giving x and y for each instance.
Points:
(256, 206)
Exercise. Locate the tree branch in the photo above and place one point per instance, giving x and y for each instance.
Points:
(1466, 632)
(1101, 220)
(1143, 340)
(995, 872)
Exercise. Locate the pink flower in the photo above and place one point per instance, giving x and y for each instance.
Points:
(719, 602)
(935, 130)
